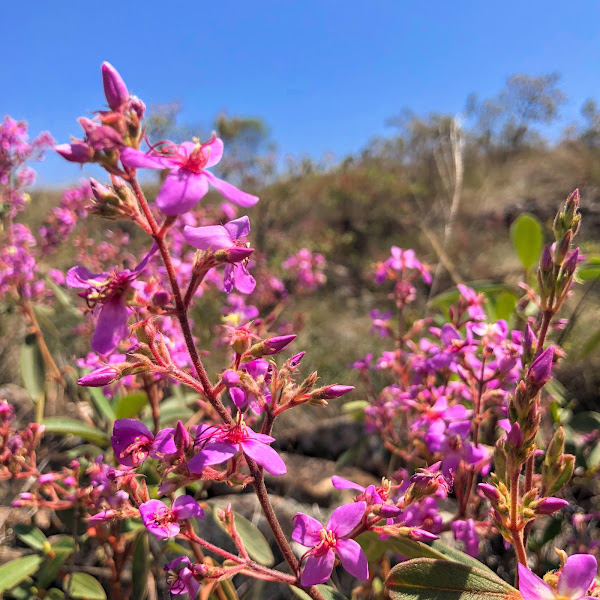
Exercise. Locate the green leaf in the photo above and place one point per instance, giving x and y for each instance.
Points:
(428, 579)
(32, 367)
(586, 422)
(54, 594)
(14, 572)
(355, 408)
(593, 459)
(67, 426)
(505, 304)
(30, 535)
(140, 566)
(375, 547)
(82, 585)
(327, 592)
(255, 542)
(48, 572)
(129, 406)
(102, 404)
(590, 269)
(527, 239)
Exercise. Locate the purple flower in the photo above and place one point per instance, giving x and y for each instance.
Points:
(180, 577)
(187, 182)
(574, 580)
(162, 521)
(132, 442)
(107, 290)
(327, 542)
(465, 532)
(220, 443)
(226, 237)
(371, 495)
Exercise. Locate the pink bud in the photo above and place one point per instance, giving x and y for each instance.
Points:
(78, 152)
(515, 436)
(541, 368)
(546, 263)
(335, 391)
(570, 263)
(420, 535)
(277, 344)
(238, 253)
(230, 378)
(115, 89)
(550, 505)
(295, 360)
(489, 491)
(100, 377)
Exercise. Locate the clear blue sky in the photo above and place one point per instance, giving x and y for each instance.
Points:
(325, 74)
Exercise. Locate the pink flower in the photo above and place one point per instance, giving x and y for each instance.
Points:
(574, 580)
(132, 441)
(162, 521)
(108, 290)
(188, 181)
(180, 577)
(226, 237)
(220, 443)
(329, 541)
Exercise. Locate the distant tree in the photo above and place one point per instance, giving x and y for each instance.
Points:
(590, 132)
(507, 121)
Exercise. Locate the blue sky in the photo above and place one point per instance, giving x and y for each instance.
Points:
(325, 75)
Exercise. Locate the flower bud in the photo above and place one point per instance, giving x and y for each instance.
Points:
(529, 343)
(295, 360)
(230, 378)
(420, 535)
(138, 106)
(540, 370)
(77, 152)
(547, 506)
(99, 377)
(570, 263)
(515, 436)
(275, 345)
(489, 491)
(115, 89)
(331, 392)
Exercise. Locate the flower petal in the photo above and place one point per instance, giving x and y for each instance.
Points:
(149, 511)
(577, 575)
(136, 159)
(212, 454)
(353, 558)
(265, 456)
(231, 192)
(532, 587)
(186, 507)
(163, 443)
(111, 327)
(238, 227)
(243, 281)
(80, 277)
(214, 151)
(213, 237)
(345, 518)
(339, 483)
(306, 530)
(181, 191)
(318, 569)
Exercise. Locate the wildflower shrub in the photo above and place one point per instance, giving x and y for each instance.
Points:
(463, 415)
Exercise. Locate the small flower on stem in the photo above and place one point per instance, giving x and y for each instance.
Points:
(162, 521)
(574, 580)
(328, 541)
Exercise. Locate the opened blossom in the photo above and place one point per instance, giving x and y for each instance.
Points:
(188, 181)
(132, 442)
(574, 580)
(220, 443)
(226, 237)
(163, 521)
(329, 541)
(180, 577)
(108, 292)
